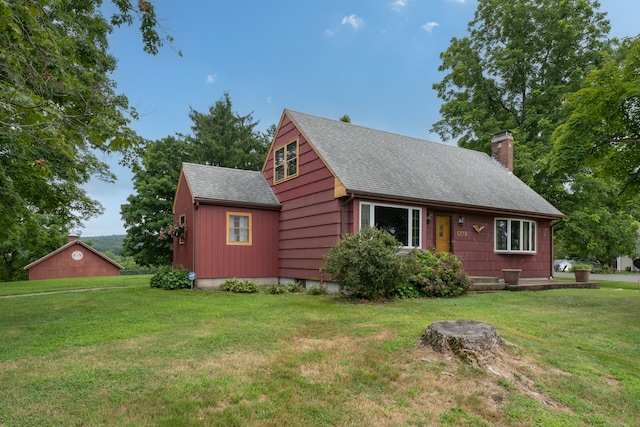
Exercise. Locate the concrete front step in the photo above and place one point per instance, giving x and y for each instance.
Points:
(548, 285)
(484, 279)
(487, 284)
(481, 285)
(487, 287)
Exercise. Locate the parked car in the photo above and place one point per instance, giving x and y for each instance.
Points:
(562, 265)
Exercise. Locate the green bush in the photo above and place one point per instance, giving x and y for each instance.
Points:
(294, 287)
(367, 264)
(439, 274)
(407, 291)
(276, 289)
(239, 286)
(602, 269)
(317, 290)
(168, 278)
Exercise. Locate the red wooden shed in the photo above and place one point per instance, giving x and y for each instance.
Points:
(323, 178)
(75, 259)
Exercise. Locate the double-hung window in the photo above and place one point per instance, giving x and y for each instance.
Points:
(400, 221)
(515, 235)
(238, 228)
(285, 161)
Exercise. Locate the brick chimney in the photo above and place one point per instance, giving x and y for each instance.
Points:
(72, 238)
(502, 148)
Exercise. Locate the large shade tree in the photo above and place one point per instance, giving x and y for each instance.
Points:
(515, 70)
(220, 137)
(511, 72)
(59, 108)
(602, 131)
(597, 152)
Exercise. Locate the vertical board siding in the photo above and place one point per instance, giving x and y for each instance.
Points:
(61, 265)
(184, 254)
(217, 259)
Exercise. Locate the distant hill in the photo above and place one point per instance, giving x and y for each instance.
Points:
(106, 243)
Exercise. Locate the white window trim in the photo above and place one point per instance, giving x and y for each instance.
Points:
(410, 219)
(509, 250)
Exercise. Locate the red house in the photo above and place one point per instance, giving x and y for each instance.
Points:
(323, 178)
(75, 259)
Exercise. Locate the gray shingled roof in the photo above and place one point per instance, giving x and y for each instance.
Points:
(229, 185)
(369, 161)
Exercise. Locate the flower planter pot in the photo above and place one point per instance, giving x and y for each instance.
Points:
(511, 275)
(581, 275)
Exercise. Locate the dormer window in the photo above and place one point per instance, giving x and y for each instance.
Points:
(286, 161)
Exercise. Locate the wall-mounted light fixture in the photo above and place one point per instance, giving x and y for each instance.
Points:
(429, 217)
(461, 220)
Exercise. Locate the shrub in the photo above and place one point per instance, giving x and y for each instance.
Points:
(368, 264)
(168, 278)
(439, 274)
(602, 269)
(276, 289)
(317, 290)
(407, 291)
(239, 286)
(294, 287)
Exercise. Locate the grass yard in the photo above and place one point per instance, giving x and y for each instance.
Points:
(142, 356)
(57, 285)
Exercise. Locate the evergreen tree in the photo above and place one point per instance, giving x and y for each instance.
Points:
(220, 138)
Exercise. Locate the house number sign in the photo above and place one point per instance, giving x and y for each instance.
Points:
(462, 233)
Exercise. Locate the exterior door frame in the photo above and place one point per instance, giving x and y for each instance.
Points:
(443, 238)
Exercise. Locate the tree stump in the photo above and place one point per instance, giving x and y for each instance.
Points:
(480, 345)
(472, 342)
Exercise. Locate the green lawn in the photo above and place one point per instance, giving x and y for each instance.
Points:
(57, 285)
(142, 356)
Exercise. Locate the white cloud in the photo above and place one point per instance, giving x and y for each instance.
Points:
(329, 33)
(398, 5)
(211, 78)
(458, 1)
(268, 100)
(429, 26)
(354, 21)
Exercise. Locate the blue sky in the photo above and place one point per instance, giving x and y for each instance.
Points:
(373, 60)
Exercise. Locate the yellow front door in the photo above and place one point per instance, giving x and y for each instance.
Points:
(443, 233)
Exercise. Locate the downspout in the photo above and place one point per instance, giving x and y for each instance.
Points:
(195, 241)
(349, 200)
(553, 224)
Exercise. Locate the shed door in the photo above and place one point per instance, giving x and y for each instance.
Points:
(443, 233)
